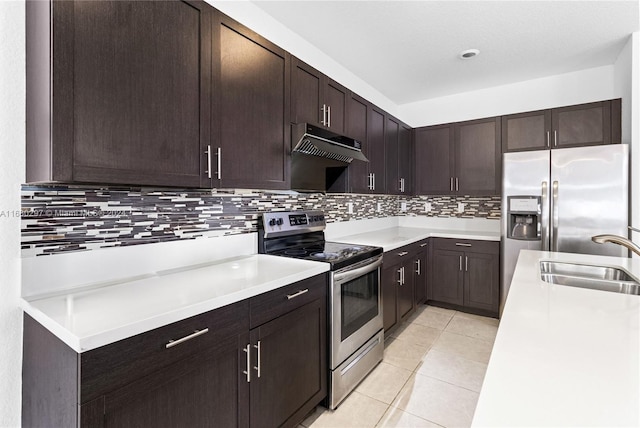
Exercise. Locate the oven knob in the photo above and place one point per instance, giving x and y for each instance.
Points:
(279, 222)
(272, 222)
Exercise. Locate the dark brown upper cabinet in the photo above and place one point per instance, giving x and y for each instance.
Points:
(317, 99)
(461, 158)
(118, 91)
(376, 150)
(573, 126)
(398, 152)
(357, 127)
(251, 139)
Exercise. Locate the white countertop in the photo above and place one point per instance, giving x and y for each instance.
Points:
(90, 318)
(563, 356)
(396, 237)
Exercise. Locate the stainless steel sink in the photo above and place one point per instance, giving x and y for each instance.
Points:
(594, 277)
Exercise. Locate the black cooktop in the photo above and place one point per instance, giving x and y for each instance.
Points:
(338, 254)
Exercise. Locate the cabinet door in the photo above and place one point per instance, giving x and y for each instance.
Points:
(289, 375)
(131, 97)
(526, 131)
(357, 126)
(482, 281)
(434, 160)
(582, 125)
(335, 99)
(447, 277)
(376, 155)
(478, 157)
(391, 141)
(202, 390)
(251, 108)
(406, 291)
(306, 94)
(389, 284)
(421, 261)
(405, 160)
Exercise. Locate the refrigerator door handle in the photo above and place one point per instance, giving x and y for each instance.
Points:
(555, 219)
(544, 226)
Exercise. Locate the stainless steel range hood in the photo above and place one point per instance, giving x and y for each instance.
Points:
(315, 141)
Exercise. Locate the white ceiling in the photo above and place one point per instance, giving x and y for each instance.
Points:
(408, 50)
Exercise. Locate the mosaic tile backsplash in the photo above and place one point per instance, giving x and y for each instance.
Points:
(72, 218)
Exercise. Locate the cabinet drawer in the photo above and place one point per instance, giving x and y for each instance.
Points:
(468, 245)
(111, 366)
(268, 306)
(399, 255)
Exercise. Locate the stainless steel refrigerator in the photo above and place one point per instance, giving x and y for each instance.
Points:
(555, 200)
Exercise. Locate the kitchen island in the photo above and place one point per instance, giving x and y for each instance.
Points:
(564, 356)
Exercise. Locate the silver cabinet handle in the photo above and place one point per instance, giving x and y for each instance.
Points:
(193, 335)
(257, 368)
(403, 279)
(219, 154)
(424, 244)
(402, 185)
(543, 223)
(400, 276)
(462, 244)
(373, 181)
(208, 152)
(556, 217)
(323, 121)
(370, 177)
(247, 349)
(460, 267)
(466, 264)
(548, 138)
(457, 187)
(451, 184)
(296, 294)
(555, 138)
(403, 253)
(329, 116)
(418, 267)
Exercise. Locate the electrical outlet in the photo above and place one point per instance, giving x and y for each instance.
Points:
(350, 207)
(427, 207)
(379, 207)
(403, 206)
(460, 207)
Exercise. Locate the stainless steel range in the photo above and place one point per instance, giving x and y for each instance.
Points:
(355, 306)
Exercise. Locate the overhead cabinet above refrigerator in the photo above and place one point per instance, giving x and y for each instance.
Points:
(556, 200)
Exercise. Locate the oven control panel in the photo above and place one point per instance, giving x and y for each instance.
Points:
(288, 222)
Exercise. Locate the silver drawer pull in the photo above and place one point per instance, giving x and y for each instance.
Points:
(424, 244)
(257, 368)
(403, 253)
(197, 333)
(299, 293)
(458, 244)
(247, 350)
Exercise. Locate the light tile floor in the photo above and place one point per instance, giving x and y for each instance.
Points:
(430, 376)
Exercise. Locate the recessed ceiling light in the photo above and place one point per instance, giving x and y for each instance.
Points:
(469, 53)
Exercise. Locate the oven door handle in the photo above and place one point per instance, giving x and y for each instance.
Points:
(358, 270)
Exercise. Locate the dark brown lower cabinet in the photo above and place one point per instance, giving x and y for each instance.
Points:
(465, 275)
(262, 363)
(292, 374)
(200, 391)
(421, 260)
(398, 285)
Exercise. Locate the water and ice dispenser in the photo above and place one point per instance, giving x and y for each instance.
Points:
(524, 218)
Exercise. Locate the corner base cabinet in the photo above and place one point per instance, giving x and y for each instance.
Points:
(260, 362)
(465, 275)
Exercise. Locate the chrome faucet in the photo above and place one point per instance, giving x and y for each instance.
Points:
(620, 240)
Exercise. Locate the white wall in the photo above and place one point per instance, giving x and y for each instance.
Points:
(264, 24)
(12, 163)
(593, 84)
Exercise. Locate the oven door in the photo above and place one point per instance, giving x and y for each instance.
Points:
(356, 308)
